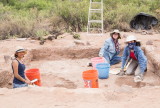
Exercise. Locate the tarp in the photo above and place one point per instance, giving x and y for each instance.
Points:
(143, 21)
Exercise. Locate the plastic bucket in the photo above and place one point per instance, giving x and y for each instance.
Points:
(34, 74)
(90, 78)
(97, 60)
(103, 70)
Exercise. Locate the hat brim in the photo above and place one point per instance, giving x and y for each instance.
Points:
(21, 50)
(130, 40)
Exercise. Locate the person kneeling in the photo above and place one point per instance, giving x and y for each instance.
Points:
(111, 48)
(133, 60)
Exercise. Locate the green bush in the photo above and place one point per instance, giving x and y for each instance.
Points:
(76, 36)
(119, 13)
(73, 13)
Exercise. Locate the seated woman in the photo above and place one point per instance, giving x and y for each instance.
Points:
(134, 58)
(111, 48)
(18, 67)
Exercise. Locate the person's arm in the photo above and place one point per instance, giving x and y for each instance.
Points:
(15, 69)
(142, 60)
(104, 47)
(124, 58)
(27, 80)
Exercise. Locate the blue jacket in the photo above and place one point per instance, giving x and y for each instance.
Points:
(139, 54)
(108, 50)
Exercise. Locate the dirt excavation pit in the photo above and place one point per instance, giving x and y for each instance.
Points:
(66, 71)
(63, 67)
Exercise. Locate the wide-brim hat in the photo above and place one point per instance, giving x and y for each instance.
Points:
(116, 31)
(131, 38)
(20, 49)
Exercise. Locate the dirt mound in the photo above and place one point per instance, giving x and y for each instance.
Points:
(50, 80)
(6, 78)
(129, 81)
(61, 64)
(56, 53)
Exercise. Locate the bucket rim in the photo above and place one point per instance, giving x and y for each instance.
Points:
(34, 70)
(102, 64)
(97, 58)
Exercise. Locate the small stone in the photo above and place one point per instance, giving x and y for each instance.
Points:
(79, 42)
(144, 33)
(42, 42)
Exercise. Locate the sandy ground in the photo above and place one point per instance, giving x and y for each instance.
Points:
(61, 63)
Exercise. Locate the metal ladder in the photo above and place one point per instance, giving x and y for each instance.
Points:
(95, 25)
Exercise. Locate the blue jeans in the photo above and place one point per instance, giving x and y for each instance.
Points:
(19, 85)
(114, 60)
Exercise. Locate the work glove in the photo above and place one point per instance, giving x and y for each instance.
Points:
(100, 55)
(121, 73)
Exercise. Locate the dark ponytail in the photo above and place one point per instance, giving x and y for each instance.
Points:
(138, 43)
(15, 55)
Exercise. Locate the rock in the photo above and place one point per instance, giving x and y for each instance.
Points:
(7, 58)
(38, 38)
(79, 42)
(52, 37)
(41, 42)
(144, 33)
(21, 39)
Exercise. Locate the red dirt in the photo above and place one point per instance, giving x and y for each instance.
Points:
(61, 63)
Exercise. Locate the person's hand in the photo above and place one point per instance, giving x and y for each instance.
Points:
(100, 55)
(121, 73)
(28, 82)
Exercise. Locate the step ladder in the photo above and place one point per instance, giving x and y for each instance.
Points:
(95, 18)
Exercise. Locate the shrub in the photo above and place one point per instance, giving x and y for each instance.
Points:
(76, 36)
(73, 13)
(25, 18)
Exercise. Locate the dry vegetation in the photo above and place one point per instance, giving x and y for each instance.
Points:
(37, 18)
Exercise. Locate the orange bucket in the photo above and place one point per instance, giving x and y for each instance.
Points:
(34, 74)
(90, 78)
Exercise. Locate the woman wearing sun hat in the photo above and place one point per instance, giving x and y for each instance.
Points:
(111, 48)
(18, 67)
(134, 55)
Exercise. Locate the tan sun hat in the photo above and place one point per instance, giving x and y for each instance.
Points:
(20, 49)
(131, 38)
(116, 31)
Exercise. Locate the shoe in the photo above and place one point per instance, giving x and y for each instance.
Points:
(138, 78)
